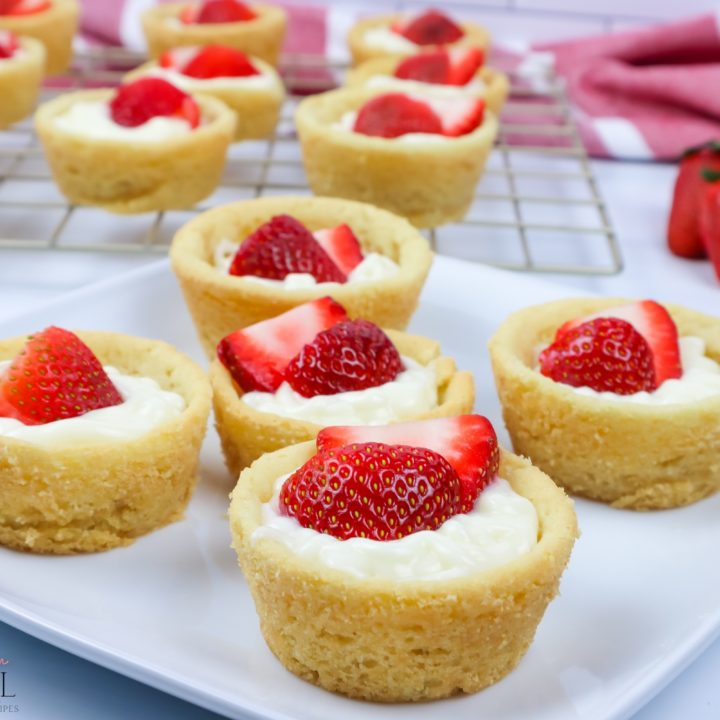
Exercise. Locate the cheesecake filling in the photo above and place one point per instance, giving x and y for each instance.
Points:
(145, 406)
(387, 40)
(412, 393)
(501, 527)
(388, 82)
(263, 81)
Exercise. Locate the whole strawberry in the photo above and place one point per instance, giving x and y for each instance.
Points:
(56, 376)
(372, 490)
(606, 354)
(351, 355)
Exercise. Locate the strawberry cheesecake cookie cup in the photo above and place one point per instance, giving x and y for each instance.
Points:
(455, 72)
(21, 72)
(99, 439)
(249, 86)
(281, 381)
(402, 35)
(401, 563)
(51, 22)
(258, 30)
(146, 146)
(617, 401)
(252, 260)
(419, 155)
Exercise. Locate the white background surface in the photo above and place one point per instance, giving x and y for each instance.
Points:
(50, 684)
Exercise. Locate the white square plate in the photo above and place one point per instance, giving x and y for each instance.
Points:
(640, 599)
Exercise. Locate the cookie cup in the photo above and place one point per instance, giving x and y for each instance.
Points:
(495, 90)
(399, 641)
(87, 497)
(430, 182)
(127, 177)
(55, 28)
(246, 433)
(628, 455)
(475, 36)
(256, 108)
(220, 303)
(261, 37)
(20, 78)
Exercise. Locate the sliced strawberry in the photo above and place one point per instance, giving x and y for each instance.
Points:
(281, 246)
(351, 355)
(56, 376)
(458, 115)
(429, 67)
(141, 100)
(710, 222)
(219, 61)
(467, 442)
(342, 246)
(655, 324)
(9, 44)
(464, 64)
(23, 7)
(372, 490)
(606, 354)
(188, 14)
(257, 356)
(433, 27)
(393, 114)
(177, 58)
(223, 11)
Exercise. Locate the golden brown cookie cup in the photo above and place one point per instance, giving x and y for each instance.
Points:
(399, 641)
(256, 108)
(430, 182)
(134, 177)
(475, 36)
(628, 455)
(77, 498)
(261, 37)
(220, 303)
(246, 433)
(495, 91)
(20, 79)
(55, 28)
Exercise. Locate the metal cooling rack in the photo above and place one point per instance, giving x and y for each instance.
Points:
(537, 208)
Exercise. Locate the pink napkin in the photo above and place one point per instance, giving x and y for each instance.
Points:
(645, 94)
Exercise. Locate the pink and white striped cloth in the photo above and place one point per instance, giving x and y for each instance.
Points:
(645, 94)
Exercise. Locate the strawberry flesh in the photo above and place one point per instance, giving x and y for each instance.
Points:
(256, 356)
(351, 355)
(467, 442)
(138, 102)
(606, 354)
(464, 64)
(217, 11)
(281, 246)
(710, 223)
(9, 44)
(341, 244)
(56, 376)
(432, 27)
(429, 67)
(393, 114)
(219, 61)
(655, 324)
(458, 115)
(23, 7)
(372, 490)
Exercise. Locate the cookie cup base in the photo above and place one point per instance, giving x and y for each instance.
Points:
(20, 79)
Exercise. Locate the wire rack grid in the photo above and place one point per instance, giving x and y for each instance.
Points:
(537, 207)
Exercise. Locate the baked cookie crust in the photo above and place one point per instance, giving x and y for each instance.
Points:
(89, 497)
(220, 303)
(429, 182)
(390, 641)
(20, 79)
(246, 433)
(641, 457)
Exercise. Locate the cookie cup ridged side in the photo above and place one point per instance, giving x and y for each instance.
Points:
(430, 182)
(247, 433)
(495, 91)
(629, 455)
(55, 28)
(220, 303)
(126, 176)
(475, 36)
(256, 108)
(262, 37)
(398, 641)
(87, 497)
(20, 79)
